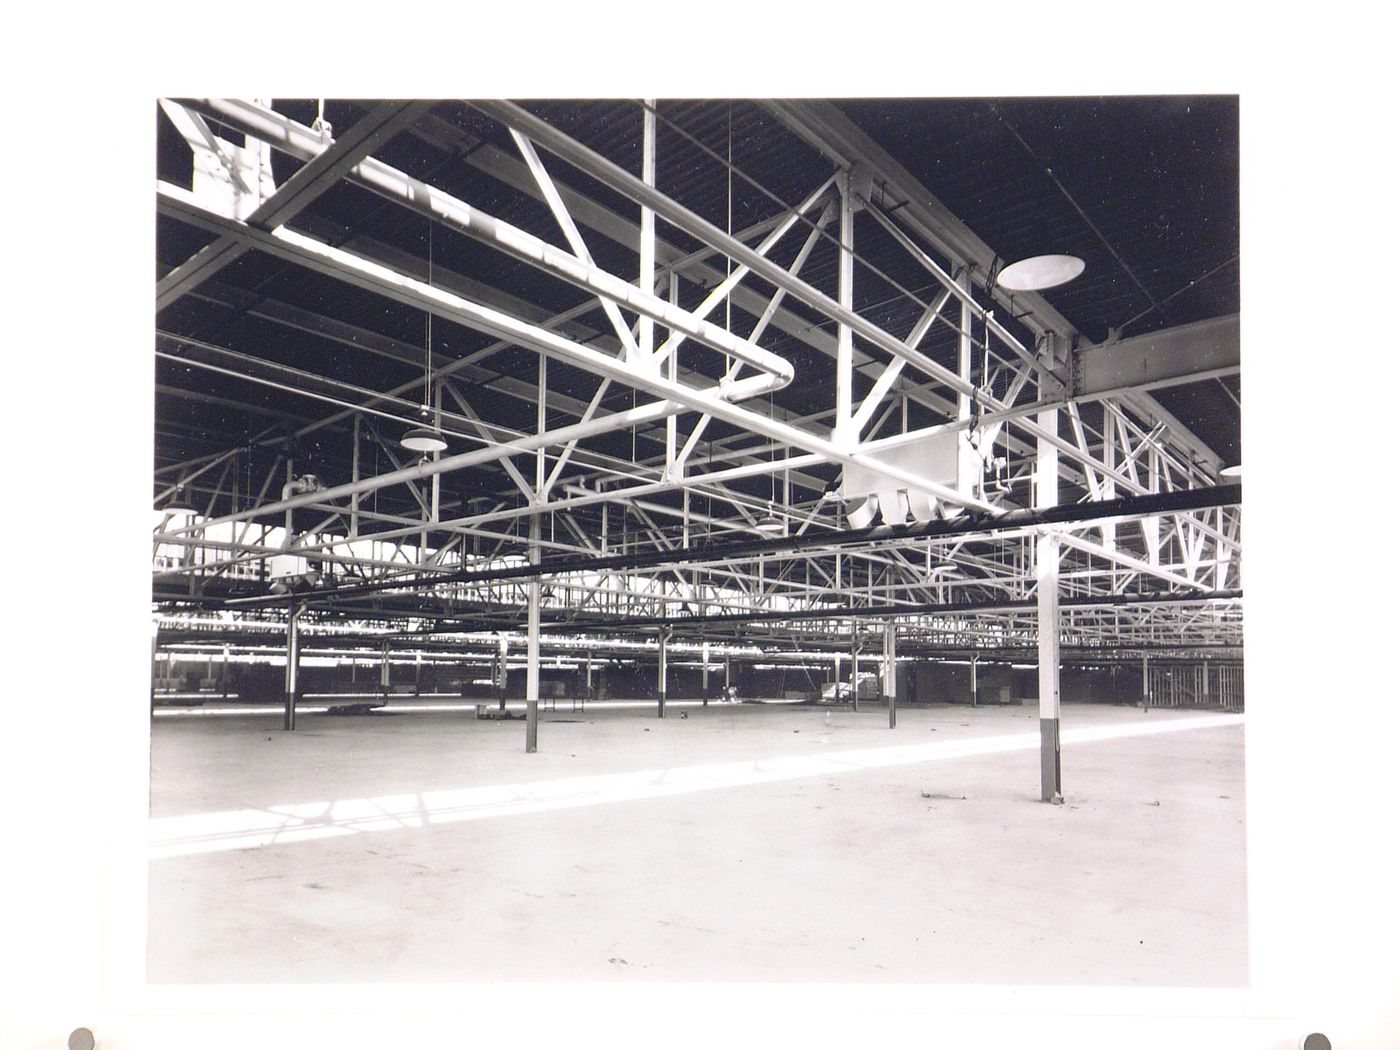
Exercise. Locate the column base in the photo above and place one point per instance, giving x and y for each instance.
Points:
(1050, 790)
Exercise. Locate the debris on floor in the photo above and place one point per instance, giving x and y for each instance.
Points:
(354, 709)
(935, 794)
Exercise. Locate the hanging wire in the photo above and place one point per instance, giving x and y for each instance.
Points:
(428, 339)
(1156, 305)
(1185, 288)
(729, 220)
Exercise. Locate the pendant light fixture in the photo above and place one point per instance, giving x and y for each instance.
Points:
(179, 503)
(1040, 272)
(426, 437)
(770, 523)
(423, 439)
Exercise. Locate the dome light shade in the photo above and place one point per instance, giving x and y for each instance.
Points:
(1232, 472)
(179, 503)
(422, 439)
(770, 523)
(1040, 272)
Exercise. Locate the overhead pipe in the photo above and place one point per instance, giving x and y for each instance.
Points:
(485, 622)
(303, 143)
(846, 612)
(733, 550)
(624, 182)
(302, 250)
(619, 179)
(300, 141)
(305, 483)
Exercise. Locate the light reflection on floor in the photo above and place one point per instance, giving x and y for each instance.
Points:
(219, 709)
(300, 822)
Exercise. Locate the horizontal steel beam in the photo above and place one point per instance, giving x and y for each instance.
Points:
(1188, 353)
(301, 141)
(560, 144)
(294, 247)
(867, 612)
(319, 174)
(732, 550)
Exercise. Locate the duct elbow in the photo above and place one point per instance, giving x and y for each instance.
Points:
(299, 486)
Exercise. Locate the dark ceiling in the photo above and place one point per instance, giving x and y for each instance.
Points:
(1145, 190)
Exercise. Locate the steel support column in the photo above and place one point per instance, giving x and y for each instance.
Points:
(855, 668)
(646, 277)
(532, 657)
(704, 674)
(891, 679)
(289, 692)
(1047, 576)
(841, 430)
(662, 637)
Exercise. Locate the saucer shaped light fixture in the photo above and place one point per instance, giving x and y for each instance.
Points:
(423, 439)
(1040, 272)
(179, 503)
(770, 524)
(1232, 472)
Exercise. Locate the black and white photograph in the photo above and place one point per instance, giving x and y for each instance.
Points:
(713, 567)
(726, 540)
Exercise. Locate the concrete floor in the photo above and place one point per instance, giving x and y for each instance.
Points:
(741, 843)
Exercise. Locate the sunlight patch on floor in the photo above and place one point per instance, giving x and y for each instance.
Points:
(300, 822)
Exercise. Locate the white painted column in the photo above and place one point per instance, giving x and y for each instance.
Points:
(289, 715)
(1047, 575)
(355, 477)
(964, 282)
(845, 294)
(855, 668)
(532, 635)
(502, 671)
(646, 277)
(891, 679)
(1110, 487)
(532, 652)
(662, 637)
(704, 674)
